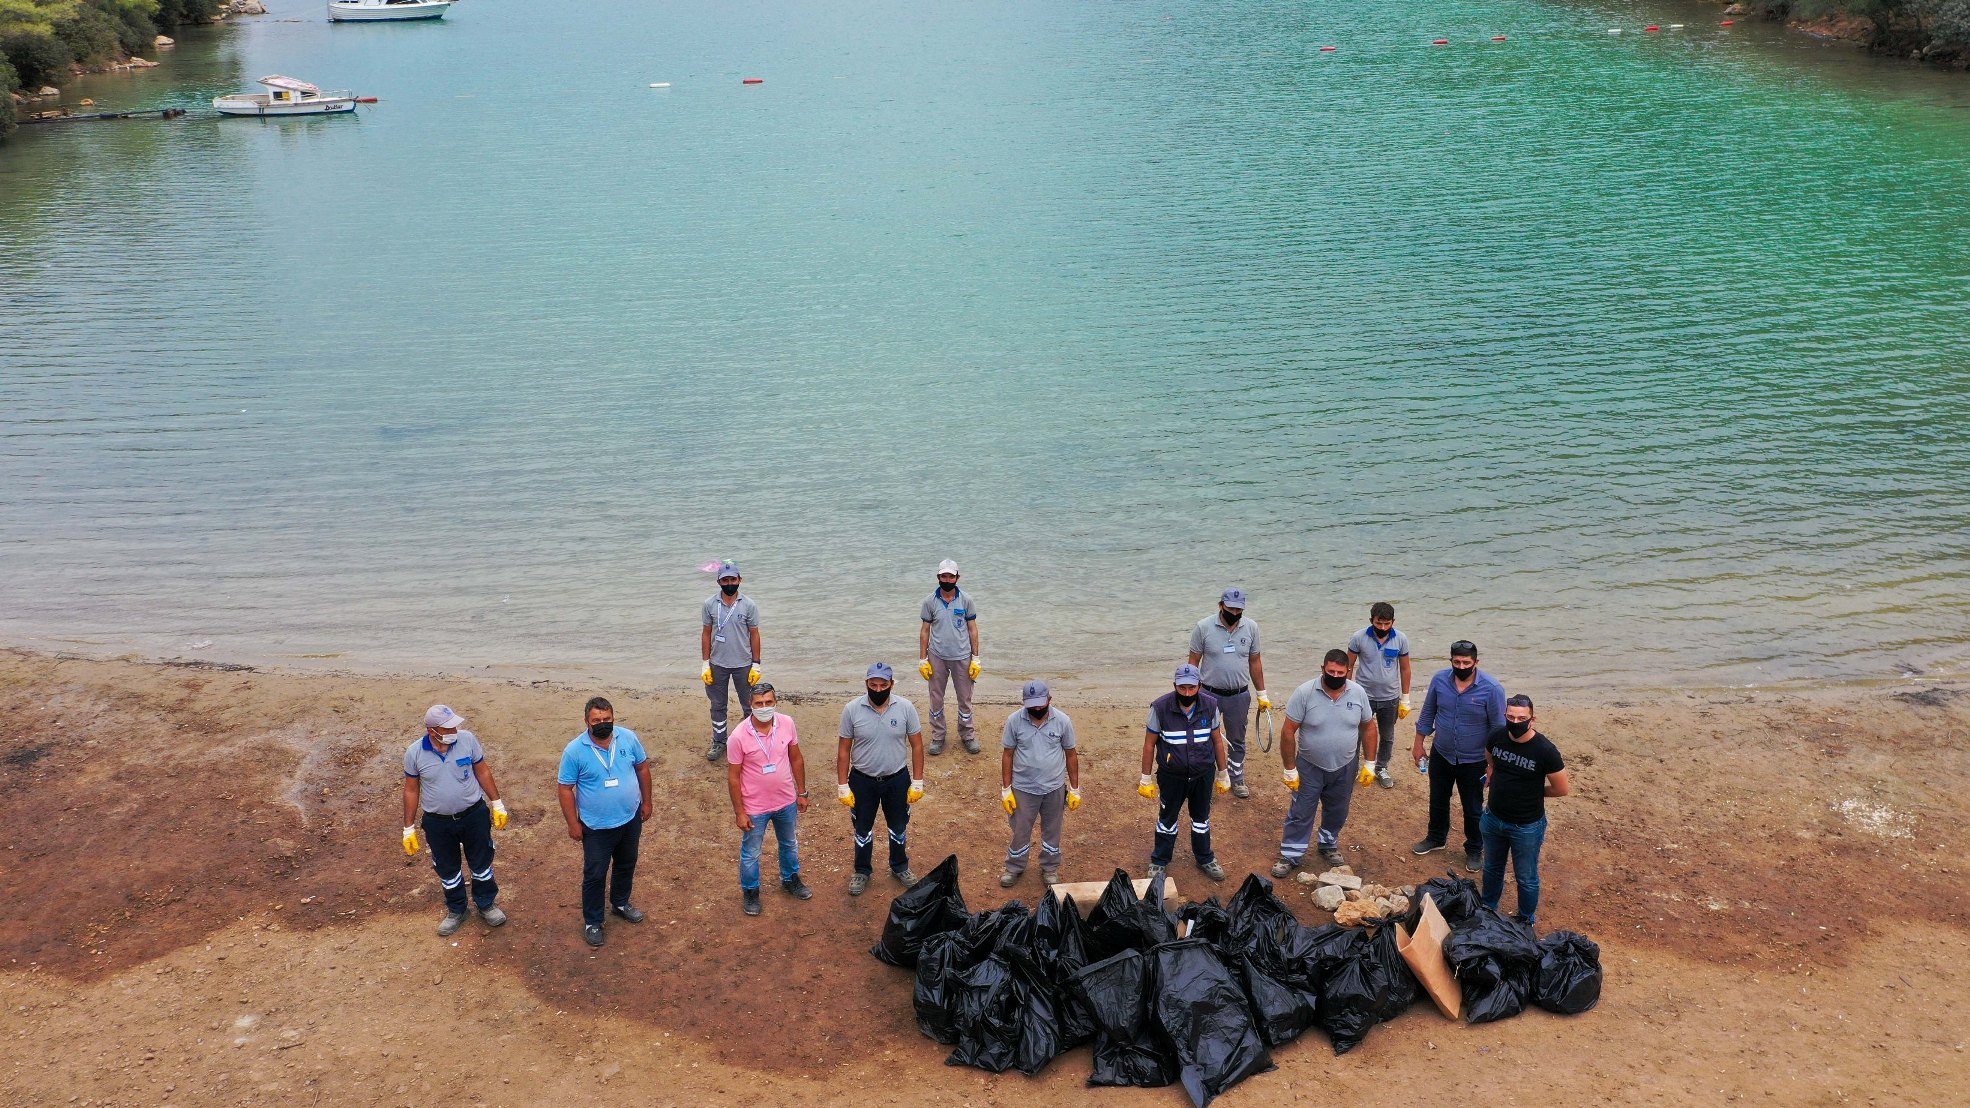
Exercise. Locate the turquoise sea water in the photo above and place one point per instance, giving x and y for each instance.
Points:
(1640, 359)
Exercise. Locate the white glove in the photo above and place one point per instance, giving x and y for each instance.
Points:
(1224, 781)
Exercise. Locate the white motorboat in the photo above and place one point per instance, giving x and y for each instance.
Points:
(371, 11)
(287, 97)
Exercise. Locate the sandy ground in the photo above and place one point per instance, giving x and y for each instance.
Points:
(202, 901)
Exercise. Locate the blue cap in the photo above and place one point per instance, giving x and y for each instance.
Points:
(1187, 675)
(1035, 693)
(728, 568)
(1234, 597)
(880, 670)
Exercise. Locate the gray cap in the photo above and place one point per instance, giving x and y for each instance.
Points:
(1234, 597)
(1035, 693)
(880, 670)
(1187, 675)
(441, 716)
(728, 568)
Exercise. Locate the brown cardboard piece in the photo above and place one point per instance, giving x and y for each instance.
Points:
(1424, 953)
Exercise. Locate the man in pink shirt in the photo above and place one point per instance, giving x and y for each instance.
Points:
(768, 779)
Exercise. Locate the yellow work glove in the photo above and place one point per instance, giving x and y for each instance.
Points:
(845, 795)
(706, 675)
(1366, 776)
(1402, 707)
(1293, 779)
(1073, 800)
(1146, 788)
(1265, 702)
(499, 815)
(923, 667)
(752, 675)
(1224, 781)
(1008, 802)
(977, 667)
(410, 842)
(915, 794)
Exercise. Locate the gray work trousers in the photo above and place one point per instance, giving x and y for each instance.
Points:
(1237, 711)
(959, 673)
(1049, 809)
(720, 676)
(1329, 790)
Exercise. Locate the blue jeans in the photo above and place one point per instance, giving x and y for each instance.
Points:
(1523, 840)
(783, 832)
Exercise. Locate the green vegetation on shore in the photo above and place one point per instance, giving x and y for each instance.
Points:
(41, 39)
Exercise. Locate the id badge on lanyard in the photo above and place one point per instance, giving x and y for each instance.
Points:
(608, 767)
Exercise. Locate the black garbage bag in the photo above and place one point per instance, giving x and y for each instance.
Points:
(1258, 933)
(1121, 920)
(1348, 998)
(1207, 920)
(1456, 897)
(1282, 1011)
(1569, 977)
(945, 957)
(1396, 987)
(1065, 937)
(1495, 959)
(1255, 911)
(931, 907)
(1129, 1048)
(1203, 1011)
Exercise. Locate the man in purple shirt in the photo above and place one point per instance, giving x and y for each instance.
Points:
(1461, 710)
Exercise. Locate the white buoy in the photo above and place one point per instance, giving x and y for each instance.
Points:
(661, 84)
(1675, 26)
(1616, 31)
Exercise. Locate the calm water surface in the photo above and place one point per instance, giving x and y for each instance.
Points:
(1640, 359)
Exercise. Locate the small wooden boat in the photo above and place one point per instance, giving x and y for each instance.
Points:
(372, 11)
(288, 97)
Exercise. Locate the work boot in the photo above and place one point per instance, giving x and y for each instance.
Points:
(796, 888)
(1283, 868)
(1241, 790)
(1008, 879)
(906, 875)
(1212, 870)
(493, 914)
(937, 748)
(1474, 861)
(1426, 846)
(629, 912)
(971, 746)
(1155, 871)
(592, 934)
(1332, 856)
(858, 884)
(450, 924)
(1050, 876)
(716, 753)
(1382, 777)
(752, 901)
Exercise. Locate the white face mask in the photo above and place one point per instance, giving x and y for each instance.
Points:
(763, 715)
(445, 740)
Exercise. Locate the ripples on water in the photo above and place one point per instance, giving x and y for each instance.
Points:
(1637, 360)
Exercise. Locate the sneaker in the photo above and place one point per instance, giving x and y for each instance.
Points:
(716, 753)
(936, 748)
(1382, 777)
(1008, 879)
(752, 901)
(1283, 867)
(1425, 847)
(1241, 790)
(1051, 877)
(1332, 856)
(495, 916)
(1212, 870)
(971, 746)
(796, 888)
(629, 912)
(858, 884)
(906, 876)
(450, 924)
(592, 933)
(1474, 861)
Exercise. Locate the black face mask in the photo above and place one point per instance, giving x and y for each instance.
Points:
(1381, 634)
(877, 696)
(601, 731)
(1463, 674)
(1333, 681)
(1185, 702)
(1518, 728)
(947, 587)
(1231, 618)
(729, 590)
(1038, 713)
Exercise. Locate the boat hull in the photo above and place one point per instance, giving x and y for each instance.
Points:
(386, 13)
(241, 106)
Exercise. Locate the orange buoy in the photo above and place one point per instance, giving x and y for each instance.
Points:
(1652, 27)
(753, 81)
(1727, 23)
(1440, 42)
(1497, 38)
(1327, 49)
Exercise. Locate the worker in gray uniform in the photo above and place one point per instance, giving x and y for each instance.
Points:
(1225, 649)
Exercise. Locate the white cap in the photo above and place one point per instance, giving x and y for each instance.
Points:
(442, 716)
(947, 566)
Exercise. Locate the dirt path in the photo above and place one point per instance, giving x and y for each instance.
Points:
(202, 902)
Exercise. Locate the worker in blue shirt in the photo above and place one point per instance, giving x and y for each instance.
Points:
(1461, 710)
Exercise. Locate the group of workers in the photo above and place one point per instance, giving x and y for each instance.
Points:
(1471, 739)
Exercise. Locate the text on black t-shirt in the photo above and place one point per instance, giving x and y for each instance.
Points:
(1518, 775)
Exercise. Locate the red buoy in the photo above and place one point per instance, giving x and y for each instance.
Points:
(753, 81)
(1440, 42)
(1497, 38)
(1727, 23)
(1652, 27)
(1327, 49)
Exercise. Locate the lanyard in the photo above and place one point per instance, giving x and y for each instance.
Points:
(731, 610)
(608, 766)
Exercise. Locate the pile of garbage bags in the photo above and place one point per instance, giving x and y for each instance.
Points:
(1199, 997)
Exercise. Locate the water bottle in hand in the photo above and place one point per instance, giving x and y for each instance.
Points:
(1423, 765)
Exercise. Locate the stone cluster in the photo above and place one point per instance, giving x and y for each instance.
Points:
(1353, 903)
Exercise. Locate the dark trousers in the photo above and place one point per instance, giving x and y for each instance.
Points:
(1468, 779)
(892, 795)
(1174, 789)
(717, 691)
(608, 856)
(467, 834)
(1385, 726)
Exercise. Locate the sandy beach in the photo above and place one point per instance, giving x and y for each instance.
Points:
(205, 903)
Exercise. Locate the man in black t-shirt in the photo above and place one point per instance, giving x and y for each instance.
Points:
(1523, 769)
